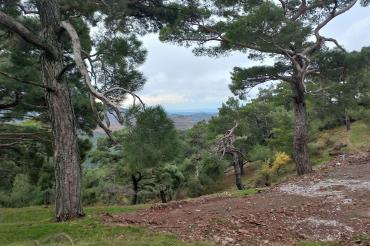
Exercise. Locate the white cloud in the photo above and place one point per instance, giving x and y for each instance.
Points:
(351, 29)
(181, 81)
(164, 99)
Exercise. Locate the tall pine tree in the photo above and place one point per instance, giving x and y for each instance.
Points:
(54, 36)
(286, 30)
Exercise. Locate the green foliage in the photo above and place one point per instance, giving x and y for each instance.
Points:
(23, 193)
(152, 140)
(211, 170)
(101, 185)
(282, 130)
(146, 151)
(202, 173)
(260, 153)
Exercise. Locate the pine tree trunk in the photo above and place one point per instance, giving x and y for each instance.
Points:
(348, 122)
(162, 194)
(241, 165)
(66, 155)
(300, 142)
(238, 181)
(135, 187)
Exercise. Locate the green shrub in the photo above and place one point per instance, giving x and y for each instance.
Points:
(194, 187)
(314, 148)
(260, 153)
(23, 193)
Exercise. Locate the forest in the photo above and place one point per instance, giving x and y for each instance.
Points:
(285, 161)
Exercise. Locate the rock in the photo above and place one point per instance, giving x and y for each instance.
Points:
(224, 242)
(229, 239)
(242, 231)
(339, 146)
(217, 239)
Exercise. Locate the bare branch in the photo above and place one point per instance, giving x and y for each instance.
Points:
(320, 39)
(134, 96)
(225, 144)
(304, 8)
(13, 25)
(335, 42)
(317, 92)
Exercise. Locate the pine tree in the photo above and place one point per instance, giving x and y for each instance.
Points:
(56, 35)
(282, 30)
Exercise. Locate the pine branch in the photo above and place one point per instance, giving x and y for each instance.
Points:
(13, 25)
(10, 76)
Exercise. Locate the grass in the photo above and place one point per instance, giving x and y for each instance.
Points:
(357, 140)
(246, 192)
(34, 226)
(360, 134)
(361, 239)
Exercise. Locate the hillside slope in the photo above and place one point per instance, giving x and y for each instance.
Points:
(331, 204)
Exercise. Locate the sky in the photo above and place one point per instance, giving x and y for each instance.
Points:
(183, 82)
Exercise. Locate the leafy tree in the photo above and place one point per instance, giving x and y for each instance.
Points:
(145, 154)
(152, 143)
(342, 88)
(263, 29)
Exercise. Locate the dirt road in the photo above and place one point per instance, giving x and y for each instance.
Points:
(331, 204)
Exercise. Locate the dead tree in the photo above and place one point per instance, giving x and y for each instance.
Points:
(225, 146)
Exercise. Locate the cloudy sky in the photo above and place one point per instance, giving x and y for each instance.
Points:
(182, 82)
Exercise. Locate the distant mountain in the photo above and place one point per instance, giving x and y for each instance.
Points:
(181, 120)
(187, 121)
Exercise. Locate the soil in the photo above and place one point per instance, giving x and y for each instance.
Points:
(331, 204)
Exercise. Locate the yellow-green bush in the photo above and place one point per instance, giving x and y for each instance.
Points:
(269, 171)
(281, 159)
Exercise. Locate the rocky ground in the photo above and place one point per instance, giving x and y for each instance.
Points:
(331, 204)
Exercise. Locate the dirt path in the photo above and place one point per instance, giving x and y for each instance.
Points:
(331, 204)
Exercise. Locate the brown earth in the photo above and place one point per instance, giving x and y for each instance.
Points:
(331, 204)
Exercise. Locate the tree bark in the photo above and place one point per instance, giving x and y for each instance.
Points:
(135, 186)
(347, 122)
(236, 165)
(300, 142)
(66, 154)
(241, 165)
(162, 194)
